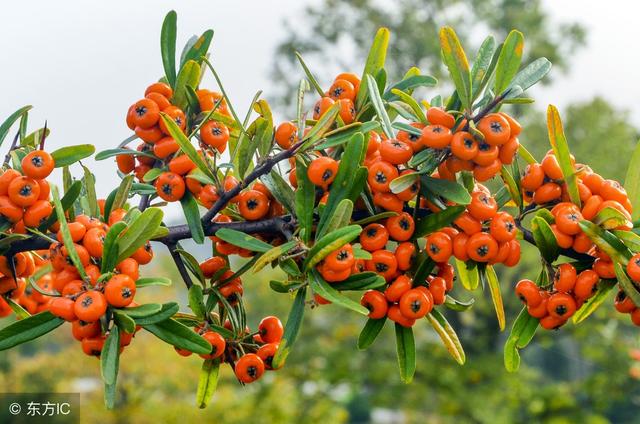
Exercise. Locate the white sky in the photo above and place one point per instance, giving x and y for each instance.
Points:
(81, 64)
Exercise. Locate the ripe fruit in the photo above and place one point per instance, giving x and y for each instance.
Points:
(322, 171)
(218, 344)
(120, 290)
(90, 306)
(249, 368)
(529, 293)
(376, 303)
(37, 164)
(414, 304)
(270, 329)
(170, 186)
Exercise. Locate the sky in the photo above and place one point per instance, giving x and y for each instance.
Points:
(81, 64)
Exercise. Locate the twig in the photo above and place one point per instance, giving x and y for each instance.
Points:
(182, 269)
(262, 169)
(14, 144)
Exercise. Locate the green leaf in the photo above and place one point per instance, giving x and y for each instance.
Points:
(139, 232)
(167, 311)
(343, 134)
(447, 335)
(375, 218)
(280, 189)
(349, 182)
(188, 77)
(341, 215)
(124, 321)
(561, 149)
(361, 281)
(511, 184)
(329, 243)
(192, 216)
(607, 242)
(481, 69)
(456, 61)
(629, 238)
(291, 329)
(305, 199)
(494, 288)
(469, 277)
(142, 311)
(522, 331)
(68, 155)
(321, 126)
(33, 139)
(67, 202)
(272, 254)
(416, 110)
(191, 263)
(207, 382)
(247, 147)
(375, 62)
(185, 145)
(90, 189)
(370, 332)
(312, 79)
(532, 73)
(110, 357)
(511, 355)
(153, 281)
(17, 309)
(105, 154)
(450, 190)
(152, 174)
(6, 125)
(378, 105)
(120, 197)
(458, 305)
(28, 329)
(66, 234)
(196, 301)
(325, 290)
(408, 84)
(168, 46)
(403, 182)
(602, 292)
(508, 61)
(544, 238)
(406, 351)
(610, 218)
(243, 240)
(199, 48)
(632, 182)
(110, 249)
(626, 284)
(435, 221)
(178, 335)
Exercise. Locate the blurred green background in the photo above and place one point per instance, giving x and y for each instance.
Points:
(578, 374)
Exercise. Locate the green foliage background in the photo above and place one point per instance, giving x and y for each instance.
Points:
(578, 374)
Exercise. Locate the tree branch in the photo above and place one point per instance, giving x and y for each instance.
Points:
(262, 169)
(182, 269)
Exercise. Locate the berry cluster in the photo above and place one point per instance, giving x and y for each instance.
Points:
(481, 234)
(623, 302)
(24, 194)
(249, 354)
(555, 304)
(404, 301)
(160, 150)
